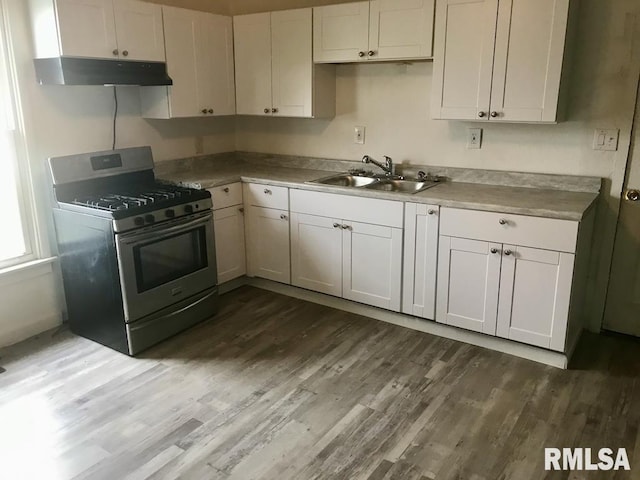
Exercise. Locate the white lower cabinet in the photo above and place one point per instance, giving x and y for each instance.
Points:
(420, 260)
(228, 225)
(268, 246)
(338, 256)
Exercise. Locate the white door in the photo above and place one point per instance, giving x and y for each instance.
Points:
(182, 37)
(139, 30)
(622, 312)
(372, 265)
(230, 247)
(535, 289)
(316, 253)
(529, 51)
(292, 63)
(252, 42)
(420, 260)
(468, 284)
(401, 29)
(463, 59)
(87, 28)
(216, 77)
(268, 255)
(341, 33)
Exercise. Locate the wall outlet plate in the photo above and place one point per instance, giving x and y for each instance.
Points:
(474, 138)
(358, 136)
(604, 139)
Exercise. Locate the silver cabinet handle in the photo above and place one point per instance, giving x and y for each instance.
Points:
(508, 252)
(115, 52)
(431, 212)
(211, 110)
(494, 114)
(346, 227)
(633, 195)
(371, 53)
(361, 54)
(274, 110)
(204, 110)
(482, 114)
(125, 53)
(502, 221)
(241, 209)
(283, 217)
(225, 189)
(267, 110)
(494, 250)
(267, 191)
(336, 225)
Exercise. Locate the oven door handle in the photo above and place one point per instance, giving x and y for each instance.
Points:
(161, 233)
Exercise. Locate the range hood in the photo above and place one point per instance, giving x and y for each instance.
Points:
(92, 71)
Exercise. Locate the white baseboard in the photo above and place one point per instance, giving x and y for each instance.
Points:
(528, 352)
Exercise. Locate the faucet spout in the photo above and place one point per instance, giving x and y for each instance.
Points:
(387, 167)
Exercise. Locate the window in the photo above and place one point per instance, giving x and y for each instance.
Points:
(15, 245)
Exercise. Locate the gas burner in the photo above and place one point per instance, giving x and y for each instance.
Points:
(141, 197)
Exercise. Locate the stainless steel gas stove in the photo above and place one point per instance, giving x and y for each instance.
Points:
(137, 255)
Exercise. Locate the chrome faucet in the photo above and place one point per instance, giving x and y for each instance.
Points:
(388, 167)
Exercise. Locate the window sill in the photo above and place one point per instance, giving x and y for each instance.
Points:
(27, 270)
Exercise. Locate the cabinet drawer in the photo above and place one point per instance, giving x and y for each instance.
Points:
(267, 196)
(226, 195)
(536, 232)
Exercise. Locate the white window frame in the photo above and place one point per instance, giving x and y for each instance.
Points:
(21, 165)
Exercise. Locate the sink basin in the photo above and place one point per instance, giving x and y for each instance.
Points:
(403, 186)
(347, 180)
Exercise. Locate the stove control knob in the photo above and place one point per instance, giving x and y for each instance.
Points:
(139, 221)
(149, 218)
(170, 213)
(188, 208)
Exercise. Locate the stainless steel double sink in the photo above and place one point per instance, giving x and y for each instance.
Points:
(380, 183)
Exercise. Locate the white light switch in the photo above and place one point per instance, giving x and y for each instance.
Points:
(606, 139)
(474, 138)
(359, 135)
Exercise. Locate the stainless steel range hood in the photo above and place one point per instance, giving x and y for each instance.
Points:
(91, 71)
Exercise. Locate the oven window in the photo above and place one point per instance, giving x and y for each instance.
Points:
(169, 259)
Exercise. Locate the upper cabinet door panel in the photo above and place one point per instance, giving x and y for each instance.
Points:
(530, 41)
(252, 40)
(401, 29)
(341, 33)
(217, 74)
(139, 30)
(463, 58)
(292, 63)
(87, 28)
(182, 32)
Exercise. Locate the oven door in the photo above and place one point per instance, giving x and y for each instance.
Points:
(166, 264)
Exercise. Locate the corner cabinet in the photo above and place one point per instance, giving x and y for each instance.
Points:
(499, 61)
(228, 224)
(199, 49)
(332, 253)
(275, 74)
(107, 29)
(373, 31)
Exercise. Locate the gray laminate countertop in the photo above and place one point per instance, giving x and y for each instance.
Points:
(551, 203)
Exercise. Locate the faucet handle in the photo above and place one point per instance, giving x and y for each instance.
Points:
(421, 175)
(366, 159)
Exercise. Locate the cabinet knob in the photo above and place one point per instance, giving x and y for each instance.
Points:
(225, 189)
(267, 191)
(494, 114)
(336, 225)
(345, 227)
(210, 110)
(502, 221)
(361, 54)
(482, 114)
(633, 195)
(508, 252)
(371, 53)
(115, 52)
(274, 110)
(494, 250)
(266, 110)
(431, 212)
(204, 110)
(125, 53)
(241, 209)
(283, 216)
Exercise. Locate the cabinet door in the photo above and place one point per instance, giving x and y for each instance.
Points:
(268, 255)
(252, 41)
(401, 29)
(529, 53)
(292, 63)
(341, 33)
(87, 28)
(230, 251)
(463, 59)
(468, 283)
(316, 253)
(420, 260)
(535, 289)
(216, 77)
(139, 30)
(372, 265)
(181, 37)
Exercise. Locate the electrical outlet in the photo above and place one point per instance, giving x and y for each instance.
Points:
(474, 138)
(359, 135)
(606, 139)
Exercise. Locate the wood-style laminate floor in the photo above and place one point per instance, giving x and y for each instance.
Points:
(278, 388)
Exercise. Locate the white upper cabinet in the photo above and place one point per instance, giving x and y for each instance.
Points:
(373, 31)
(275, 74)
(499, 61)
(199, 49)
(124, 29)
